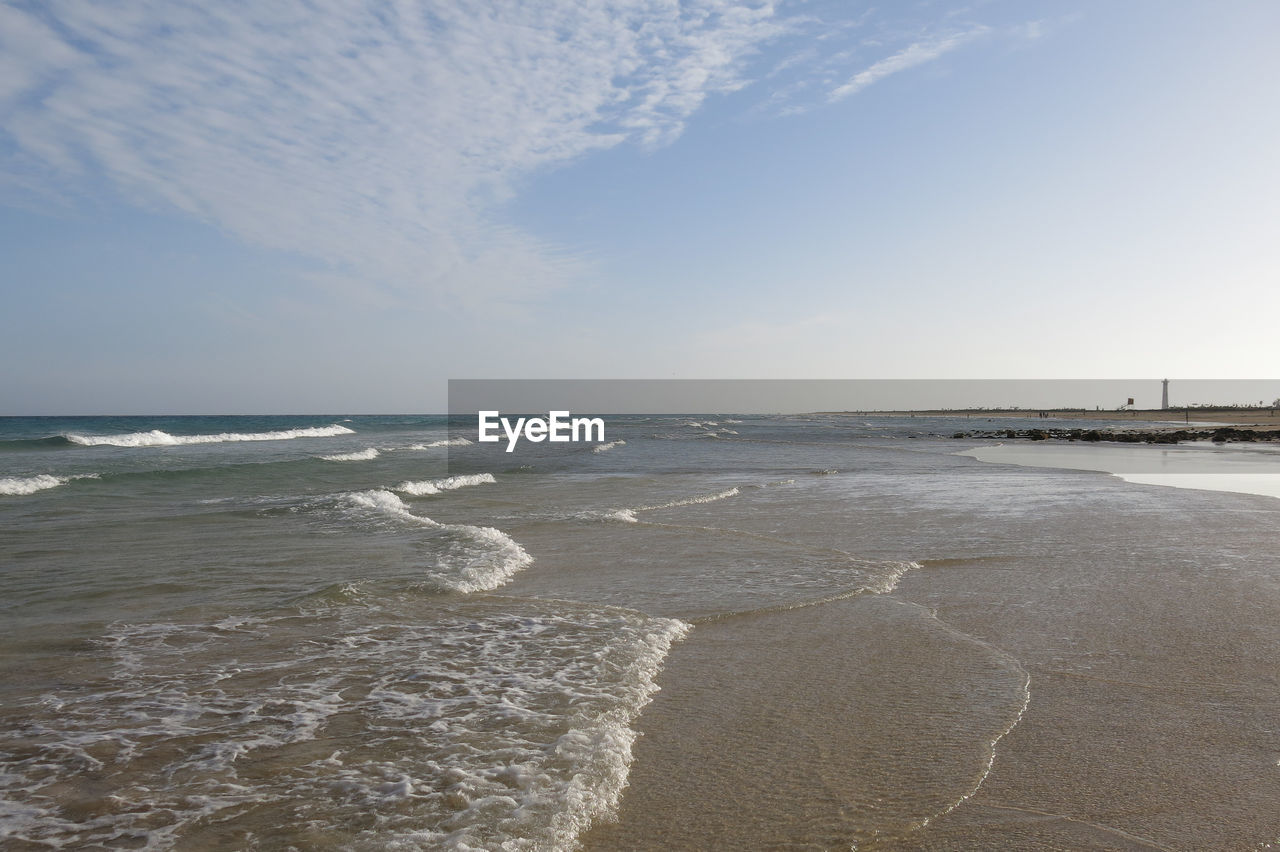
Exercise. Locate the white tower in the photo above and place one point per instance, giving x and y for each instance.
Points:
(1164, 397)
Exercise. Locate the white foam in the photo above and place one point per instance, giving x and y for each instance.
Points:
(627, 516)
(430, 445)
(359, 455)
(21, 485)
(464, 480)
(466, 558)
(490, 565)
(886, 583)
(604, 448)
(385, 502)
(691, 501)
(418, 489)
(157, 438)
(545, 798)
(488, 727)
(449, 483)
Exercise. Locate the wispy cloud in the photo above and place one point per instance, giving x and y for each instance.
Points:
(918, 53)
(380, 137)
(376, 137)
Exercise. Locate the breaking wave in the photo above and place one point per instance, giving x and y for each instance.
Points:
(604, 448)
(628, 515)
(435, 486)
(690, 501)
(21, 485)
(359, 455)
(157, 438)
(403, 724)
(463, 557)
(431, 445)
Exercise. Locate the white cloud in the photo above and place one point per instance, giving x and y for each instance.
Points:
(916, 54)
(380, 137)
(375, 137)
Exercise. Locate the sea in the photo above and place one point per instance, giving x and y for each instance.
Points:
(702, 632)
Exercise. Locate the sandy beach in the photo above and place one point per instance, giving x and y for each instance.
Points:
(1089, 667)
(1074, 664)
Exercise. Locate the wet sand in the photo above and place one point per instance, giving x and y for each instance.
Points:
(1140, 622)
(1153, 720)
(815, 728)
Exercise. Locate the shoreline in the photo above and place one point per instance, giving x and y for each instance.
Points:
(1198, 468)
(1242, 418)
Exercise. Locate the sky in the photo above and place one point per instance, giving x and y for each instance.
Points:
(339, 205)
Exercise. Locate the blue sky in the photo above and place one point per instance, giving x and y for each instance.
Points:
(336, 206)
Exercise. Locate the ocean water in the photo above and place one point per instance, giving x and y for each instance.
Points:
(358, 632)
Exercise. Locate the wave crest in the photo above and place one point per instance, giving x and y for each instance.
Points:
(157, 438)
(468, 558)
(21, 485)
(628, 515)
(430, 445)
(604, 448)
(690, 501)
(359, 455)
(449, 483)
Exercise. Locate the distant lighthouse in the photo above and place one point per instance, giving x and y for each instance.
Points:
(1164, 397)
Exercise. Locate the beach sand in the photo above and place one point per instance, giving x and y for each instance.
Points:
(1093, 669)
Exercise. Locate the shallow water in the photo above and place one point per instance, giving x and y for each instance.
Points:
(734, 632)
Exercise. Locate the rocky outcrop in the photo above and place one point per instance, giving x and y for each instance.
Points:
(1130, 436)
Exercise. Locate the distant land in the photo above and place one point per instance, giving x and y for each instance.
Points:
(1256, 417)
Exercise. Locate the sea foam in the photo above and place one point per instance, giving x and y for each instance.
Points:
(157, 438)
(458, 726)
(463, 557)
(696, 499)
(21, 485)
(359, 455)
(604, 448)
(449, 483)
(628, 515)
(431, 445)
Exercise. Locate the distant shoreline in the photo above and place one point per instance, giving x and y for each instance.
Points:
(1242, 418)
